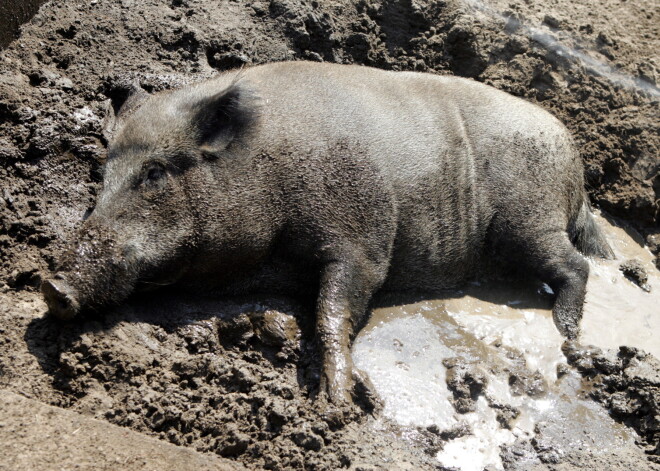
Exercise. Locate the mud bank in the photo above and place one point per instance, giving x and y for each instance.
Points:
(237, 377)
(72, 441)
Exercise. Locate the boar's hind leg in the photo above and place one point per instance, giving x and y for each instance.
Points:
(346, 288)
(558, 263)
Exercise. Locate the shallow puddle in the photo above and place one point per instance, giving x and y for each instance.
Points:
(507, 332)
(617, 312)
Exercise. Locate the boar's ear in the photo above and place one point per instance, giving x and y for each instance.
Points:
(223, 118)
(125, 98)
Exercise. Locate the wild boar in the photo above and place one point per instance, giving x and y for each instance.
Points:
(340, 179)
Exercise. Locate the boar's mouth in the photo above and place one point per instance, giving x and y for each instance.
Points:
(97, 271)
(163, 278)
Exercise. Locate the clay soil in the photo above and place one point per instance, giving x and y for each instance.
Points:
(237, 378)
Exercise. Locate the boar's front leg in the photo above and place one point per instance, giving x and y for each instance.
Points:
(347, 285)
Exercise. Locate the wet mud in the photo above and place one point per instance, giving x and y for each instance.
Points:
(235, 378)
(480, 373)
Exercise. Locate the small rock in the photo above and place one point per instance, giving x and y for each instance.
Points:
(467, 382)
(551, 21)
(635, 272)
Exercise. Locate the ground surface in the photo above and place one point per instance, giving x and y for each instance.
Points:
(213, 380)
(72, 441)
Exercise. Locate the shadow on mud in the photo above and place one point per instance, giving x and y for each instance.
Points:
(530, 294)
(278, 329)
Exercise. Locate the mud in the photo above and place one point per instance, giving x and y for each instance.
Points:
(627, 382)
(73, 441)
(234, 378)
(237, 377)
(492, 355)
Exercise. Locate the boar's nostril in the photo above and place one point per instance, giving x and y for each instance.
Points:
(59, 298)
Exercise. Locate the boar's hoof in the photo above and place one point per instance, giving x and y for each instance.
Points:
(60, 299)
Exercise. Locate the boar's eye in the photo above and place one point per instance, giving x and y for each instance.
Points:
(153, 175)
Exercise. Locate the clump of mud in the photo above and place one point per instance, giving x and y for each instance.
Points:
(627, 382)
(635, 272)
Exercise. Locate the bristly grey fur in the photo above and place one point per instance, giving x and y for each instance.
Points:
(338, 181)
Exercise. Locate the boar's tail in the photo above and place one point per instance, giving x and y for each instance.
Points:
(587, 237)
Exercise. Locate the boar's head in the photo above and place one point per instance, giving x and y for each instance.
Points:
(160, 186)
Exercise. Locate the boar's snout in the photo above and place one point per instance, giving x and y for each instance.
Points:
(60, 298)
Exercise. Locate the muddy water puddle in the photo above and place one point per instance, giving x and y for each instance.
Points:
(617, 312)
(508, 354)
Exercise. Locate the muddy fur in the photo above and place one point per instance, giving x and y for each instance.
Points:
(355, 179)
